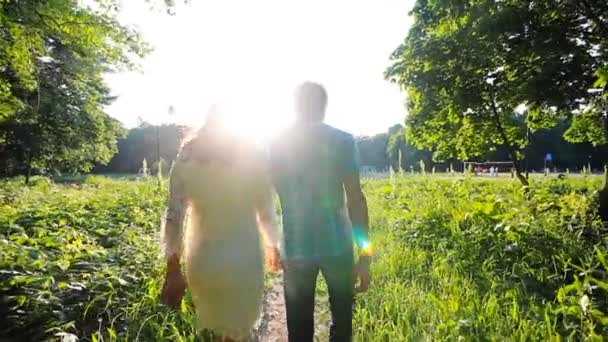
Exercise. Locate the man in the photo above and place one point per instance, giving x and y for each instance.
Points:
(314, 166)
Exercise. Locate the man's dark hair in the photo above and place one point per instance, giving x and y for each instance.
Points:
(311, 101)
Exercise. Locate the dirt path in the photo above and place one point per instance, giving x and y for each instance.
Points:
(273, 327)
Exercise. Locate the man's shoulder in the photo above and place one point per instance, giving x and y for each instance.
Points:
(323, 133)
(338, 133)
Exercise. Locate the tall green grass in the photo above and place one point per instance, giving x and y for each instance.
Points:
(482, 260)
(457, 259)
(83, 260)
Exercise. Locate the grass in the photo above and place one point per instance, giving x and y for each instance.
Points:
(480, 260)
(83, 260)
(472, 259)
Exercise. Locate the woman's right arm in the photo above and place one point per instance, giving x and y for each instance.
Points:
(173, 224)
(172, 238)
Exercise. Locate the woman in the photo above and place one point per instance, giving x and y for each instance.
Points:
(220, 204)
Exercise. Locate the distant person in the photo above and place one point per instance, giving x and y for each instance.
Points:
(316, 174)
(220, 195)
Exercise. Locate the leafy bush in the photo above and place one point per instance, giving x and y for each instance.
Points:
(83, 260)
(481, 259)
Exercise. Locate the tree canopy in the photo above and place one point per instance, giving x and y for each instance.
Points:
(372, 151)
(485, 74)
(149, 142)
(52, 58)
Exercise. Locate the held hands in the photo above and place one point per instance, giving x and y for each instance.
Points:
(174, 287)
(362, 274)
(273, 258)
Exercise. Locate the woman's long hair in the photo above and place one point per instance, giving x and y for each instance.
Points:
(212, 142)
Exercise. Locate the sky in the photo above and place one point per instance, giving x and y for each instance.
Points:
(251, 54)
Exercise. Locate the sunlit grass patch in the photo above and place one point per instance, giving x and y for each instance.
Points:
(456, 258)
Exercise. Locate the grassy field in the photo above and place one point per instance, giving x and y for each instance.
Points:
(457, 258)
(480, 259)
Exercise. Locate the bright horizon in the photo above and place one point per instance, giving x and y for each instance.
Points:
(251, 55)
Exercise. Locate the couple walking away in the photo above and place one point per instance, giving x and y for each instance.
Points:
(221, 221)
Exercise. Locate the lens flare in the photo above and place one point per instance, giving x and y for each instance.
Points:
(365, 246)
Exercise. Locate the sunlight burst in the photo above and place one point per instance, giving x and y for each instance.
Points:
(255, 115)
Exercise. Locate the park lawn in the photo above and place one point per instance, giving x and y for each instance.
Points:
(457, 257)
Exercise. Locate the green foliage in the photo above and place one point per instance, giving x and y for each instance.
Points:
(401, 153)
(565, 154)
(456, 259)
(389, 150)
(588, 126)
(52, 57)
(83, 259)
(80, 258)
(144, 142)
(372, 151)
(468, 65)
(476, 260)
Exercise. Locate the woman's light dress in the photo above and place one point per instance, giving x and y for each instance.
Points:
(220, 214)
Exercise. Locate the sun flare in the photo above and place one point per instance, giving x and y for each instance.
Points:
(254, 123)
(254, 115)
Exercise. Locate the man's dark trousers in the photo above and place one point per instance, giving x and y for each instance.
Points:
(300, 279)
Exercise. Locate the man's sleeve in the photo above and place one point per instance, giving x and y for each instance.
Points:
(351, 156)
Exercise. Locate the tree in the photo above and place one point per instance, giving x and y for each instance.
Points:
(565, 154)
(398, 146)
(52, 57)
(603, 198)
(141, 143)
(468, 66)
(372, 150)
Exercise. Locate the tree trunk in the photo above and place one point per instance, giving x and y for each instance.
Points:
(603, 209)
(512, 151)
(28, 171)
(526, 158)
(522, 179)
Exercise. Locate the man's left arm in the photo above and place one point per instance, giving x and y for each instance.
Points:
(358, 212)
